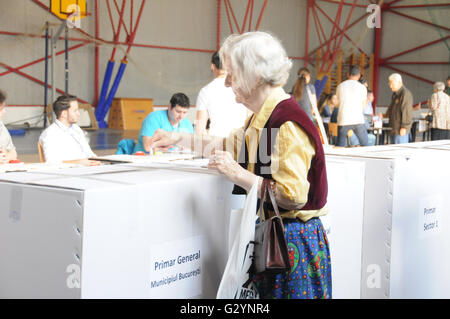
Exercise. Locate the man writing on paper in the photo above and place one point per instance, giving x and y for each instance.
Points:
(64, 141)
(7, 149)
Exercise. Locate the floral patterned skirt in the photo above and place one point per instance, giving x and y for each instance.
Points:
(310, 274)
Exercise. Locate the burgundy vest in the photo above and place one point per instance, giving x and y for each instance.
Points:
(288, 110)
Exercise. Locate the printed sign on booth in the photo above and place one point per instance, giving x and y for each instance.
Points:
(430, 210)
(176, 268)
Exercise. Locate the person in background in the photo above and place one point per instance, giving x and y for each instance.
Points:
(172, 120)
(303, 91)
(368, 118)
(363, 81)
(400, 110)
(64, 141)
(218, 102)
(447, 89)
(326, 108)
(353, 139)
(440, 108)
(257, 68)
(352, 97)
(7, 148)
(368, 110)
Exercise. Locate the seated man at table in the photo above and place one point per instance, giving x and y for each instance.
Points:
(172, 120)
(64, 141)
(7, 149)
(368, 117)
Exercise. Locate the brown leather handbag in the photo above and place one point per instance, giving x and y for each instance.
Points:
(270, 253)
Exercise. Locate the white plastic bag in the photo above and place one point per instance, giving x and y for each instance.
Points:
(236, 282)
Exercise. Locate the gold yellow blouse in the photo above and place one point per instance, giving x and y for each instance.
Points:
(290, 159)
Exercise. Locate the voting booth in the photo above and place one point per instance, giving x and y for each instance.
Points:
(113, 231)
(406, 220)
(142, 230)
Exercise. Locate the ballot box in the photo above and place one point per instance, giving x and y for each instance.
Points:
(113, 231)
(438, 145)
(344, 225)
(406, 221)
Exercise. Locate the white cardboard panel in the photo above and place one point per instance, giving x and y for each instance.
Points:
(346, 206)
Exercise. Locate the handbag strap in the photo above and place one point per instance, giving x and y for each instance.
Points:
(267, 189)
(263, 199)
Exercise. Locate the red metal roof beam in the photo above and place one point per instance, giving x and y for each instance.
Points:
(340, 31)
(414, 49)
(133, 35)
(261, 14)
(345, 3)
(121, 17)
(43, 59)
(407, 73)
(342, 36)
(412, 6)
(31, 78)
(418, 20)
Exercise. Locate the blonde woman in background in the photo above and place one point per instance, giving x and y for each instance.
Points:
(300, 91)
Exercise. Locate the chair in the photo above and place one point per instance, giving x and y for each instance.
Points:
(93, 121)
(41, 152)
(126, 146)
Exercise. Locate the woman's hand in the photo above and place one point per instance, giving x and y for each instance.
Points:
(225, 164)
(161, 140)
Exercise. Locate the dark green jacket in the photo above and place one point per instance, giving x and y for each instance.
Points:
(447, 90)
(400, 111)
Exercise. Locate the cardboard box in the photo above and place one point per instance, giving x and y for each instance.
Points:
(113, 232)
(344, 225)
(406, 226)
(129, 113)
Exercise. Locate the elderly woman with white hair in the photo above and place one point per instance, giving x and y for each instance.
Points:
(439, 105)
(279, 143)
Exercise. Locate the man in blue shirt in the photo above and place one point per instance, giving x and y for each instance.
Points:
(171, 120)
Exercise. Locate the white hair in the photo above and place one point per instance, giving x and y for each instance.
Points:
(396, 78)
(439, 86)
(256, 58)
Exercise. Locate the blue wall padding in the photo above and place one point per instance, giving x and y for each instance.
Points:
(112, 93)
(17, 132)
(319, 85)
(104, 91)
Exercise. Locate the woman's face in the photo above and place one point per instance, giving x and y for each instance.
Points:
(307, 78)
(230, 81)
(334, 100)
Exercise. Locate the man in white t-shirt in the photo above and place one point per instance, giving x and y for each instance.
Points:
(7, 148)
(218, 103)
(64, 141)
(352, 96)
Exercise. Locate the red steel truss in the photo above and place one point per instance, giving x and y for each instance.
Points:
(330, 42)
(393, 8)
